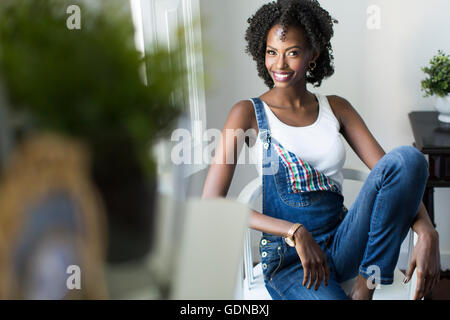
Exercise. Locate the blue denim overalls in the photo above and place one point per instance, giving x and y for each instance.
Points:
(369, 233)
(319, 211)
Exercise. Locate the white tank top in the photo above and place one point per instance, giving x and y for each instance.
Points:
(320, 143)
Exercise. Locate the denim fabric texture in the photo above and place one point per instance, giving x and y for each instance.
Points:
(355, 240)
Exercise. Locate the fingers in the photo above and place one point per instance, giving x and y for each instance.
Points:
(320, 276)
(410, 271)
(322, 272)
(315, 274)
(437, 278)
(306, 272)
(309, 273)
(434, 279)
(420, 289)
(425, 284)
(313, 278)
(327, 273)
(433, 282)
(429, 283)
(426, 287)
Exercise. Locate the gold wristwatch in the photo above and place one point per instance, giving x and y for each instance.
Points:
(290, 236)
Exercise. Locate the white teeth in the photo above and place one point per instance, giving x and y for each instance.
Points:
(282, 76)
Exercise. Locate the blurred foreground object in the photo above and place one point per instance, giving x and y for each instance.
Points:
(89, 84)
(209, 260)
(52, 225)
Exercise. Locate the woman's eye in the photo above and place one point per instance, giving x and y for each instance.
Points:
(292, 53)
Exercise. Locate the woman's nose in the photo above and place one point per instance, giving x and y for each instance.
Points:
(281, 63)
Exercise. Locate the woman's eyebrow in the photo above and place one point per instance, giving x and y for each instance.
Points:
(286, 48)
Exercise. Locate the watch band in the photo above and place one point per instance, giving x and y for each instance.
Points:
(290, 236)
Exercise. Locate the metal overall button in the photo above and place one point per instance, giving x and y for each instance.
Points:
(263, 242)
(266, 144)
(264, 254)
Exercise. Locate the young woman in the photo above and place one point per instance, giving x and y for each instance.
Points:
(310, 240)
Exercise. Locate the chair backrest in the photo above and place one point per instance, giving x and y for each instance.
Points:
(354, 174)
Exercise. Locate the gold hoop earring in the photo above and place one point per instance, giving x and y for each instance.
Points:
(312, 65)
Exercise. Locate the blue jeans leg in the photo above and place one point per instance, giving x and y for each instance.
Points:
(371, 233)
(287, 283)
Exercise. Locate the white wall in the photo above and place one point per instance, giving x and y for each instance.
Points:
(378, 71)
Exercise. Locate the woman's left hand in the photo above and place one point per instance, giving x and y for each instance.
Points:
(427, 262)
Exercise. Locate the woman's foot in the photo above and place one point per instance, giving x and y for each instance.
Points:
(361, 290)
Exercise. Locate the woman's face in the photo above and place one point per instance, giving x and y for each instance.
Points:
(287, 61)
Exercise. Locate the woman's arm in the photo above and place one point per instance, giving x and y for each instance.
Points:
(422, 223)
(262, 222)
(222, 169)
(425, 258)
(355, 132)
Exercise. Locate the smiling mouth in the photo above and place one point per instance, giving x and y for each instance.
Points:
(282, 77)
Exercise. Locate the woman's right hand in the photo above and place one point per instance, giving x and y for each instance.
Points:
(314, 260)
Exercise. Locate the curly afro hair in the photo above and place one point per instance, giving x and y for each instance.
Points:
(307, 14)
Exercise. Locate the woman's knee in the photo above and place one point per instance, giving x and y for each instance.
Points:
(411, 161)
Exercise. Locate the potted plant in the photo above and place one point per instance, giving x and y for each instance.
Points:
(87, 84)
(438, 84)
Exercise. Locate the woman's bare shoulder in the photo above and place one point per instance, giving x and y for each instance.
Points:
(340, 107)
(338, 103)
(242, 115)
(243, 107)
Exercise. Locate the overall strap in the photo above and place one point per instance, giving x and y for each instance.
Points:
(269, 158)
(260, 114)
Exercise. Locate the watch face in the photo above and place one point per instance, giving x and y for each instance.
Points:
(290, 242)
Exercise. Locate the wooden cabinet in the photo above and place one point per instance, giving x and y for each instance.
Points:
(432, 138)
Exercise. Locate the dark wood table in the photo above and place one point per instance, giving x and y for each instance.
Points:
(432, 138)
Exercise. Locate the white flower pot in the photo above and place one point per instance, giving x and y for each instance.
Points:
(443, 106)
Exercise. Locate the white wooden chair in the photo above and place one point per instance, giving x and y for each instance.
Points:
(252, 285)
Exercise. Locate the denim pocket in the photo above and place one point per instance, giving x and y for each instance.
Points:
(289, 194)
